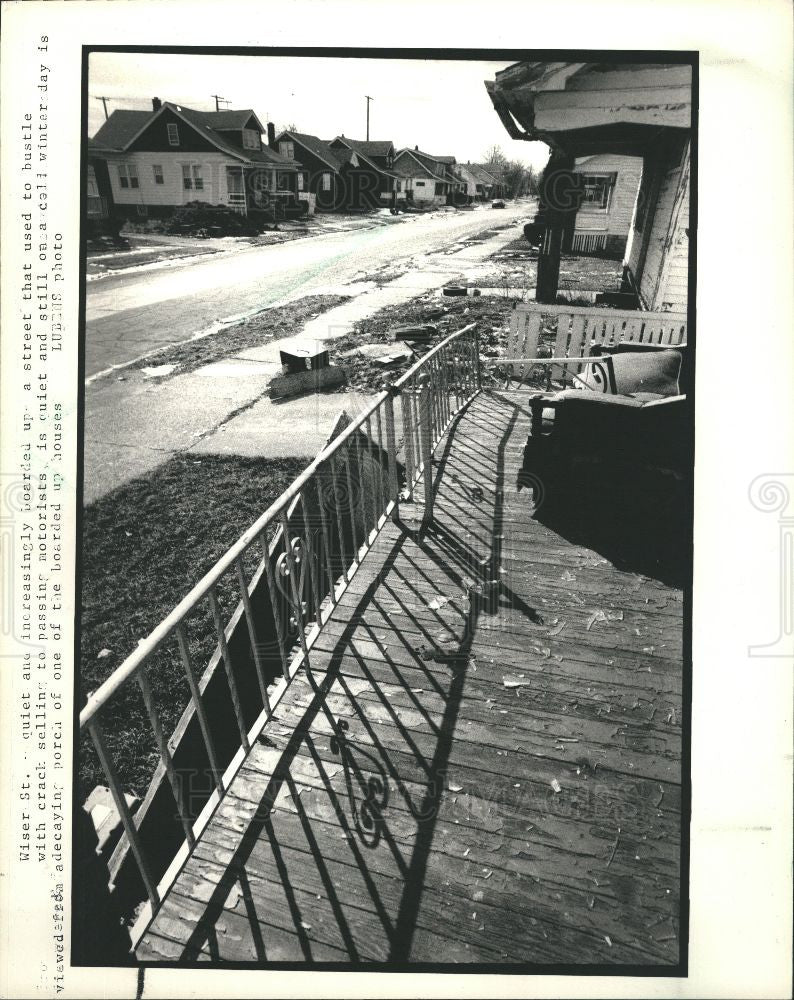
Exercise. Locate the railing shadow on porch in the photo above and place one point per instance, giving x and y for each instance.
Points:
(375, 778)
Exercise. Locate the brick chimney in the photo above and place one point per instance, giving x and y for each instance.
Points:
(156, 104)
(271, 135)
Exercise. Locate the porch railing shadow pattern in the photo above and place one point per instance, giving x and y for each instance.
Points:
(305, 550)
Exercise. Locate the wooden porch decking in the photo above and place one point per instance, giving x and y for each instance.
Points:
(453, 785)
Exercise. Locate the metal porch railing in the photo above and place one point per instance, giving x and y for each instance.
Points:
(313, 540)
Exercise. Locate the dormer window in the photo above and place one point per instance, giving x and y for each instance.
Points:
(173, 134)
(287, 149)
(251, 138)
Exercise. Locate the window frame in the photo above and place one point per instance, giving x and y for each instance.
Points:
(159, 174)
(289, 154)
(606, 182)
(325, 180)
(172, 131)
(127, 174)
(198, 177)
(251, 138)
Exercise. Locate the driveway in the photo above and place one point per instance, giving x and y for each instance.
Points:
(128, 315)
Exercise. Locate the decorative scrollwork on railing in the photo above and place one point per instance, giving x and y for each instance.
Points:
(284, 582)
(373, 789)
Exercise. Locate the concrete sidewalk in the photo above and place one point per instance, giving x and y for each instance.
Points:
(135, 423)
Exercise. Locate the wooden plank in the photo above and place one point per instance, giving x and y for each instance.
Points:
(532, 785)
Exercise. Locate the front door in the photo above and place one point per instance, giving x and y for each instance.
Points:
(235, 188)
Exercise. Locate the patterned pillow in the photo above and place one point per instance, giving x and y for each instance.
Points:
(644, 372)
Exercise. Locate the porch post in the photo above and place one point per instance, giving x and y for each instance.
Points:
(559, 201)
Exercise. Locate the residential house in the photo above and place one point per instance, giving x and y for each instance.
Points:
(379, 184)
(609, 185)
(430, 181)
(480, 184)
(588, 109)
(338, 177)
(99, 195)
(161, 159)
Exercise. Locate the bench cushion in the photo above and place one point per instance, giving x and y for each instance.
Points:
(655, 372)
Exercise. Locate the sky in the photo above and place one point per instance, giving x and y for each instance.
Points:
(440, 106)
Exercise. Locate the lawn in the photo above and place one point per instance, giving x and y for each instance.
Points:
(144, 547)
(270, 324)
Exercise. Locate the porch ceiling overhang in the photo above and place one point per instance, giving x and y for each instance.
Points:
(588, 108)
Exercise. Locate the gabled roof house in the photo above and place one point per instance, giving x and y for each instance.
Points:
(375, 160)
(171, 155)
(340, 176)
(430, 180)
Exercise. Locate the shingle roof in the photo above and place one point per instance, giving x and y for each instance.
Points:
(428, 171)
(480, 173)
(447, 160)
(317, 146)
(488, 172)
(369, 147)
(122, 126)
(228, 118)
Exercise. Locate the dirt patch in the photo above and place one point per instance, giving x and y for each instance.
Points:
(144, 546)
(577, 272)
(490, 313)
(272, 324)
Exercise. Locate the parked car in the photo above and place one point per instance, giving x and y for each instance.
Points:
(498, 203)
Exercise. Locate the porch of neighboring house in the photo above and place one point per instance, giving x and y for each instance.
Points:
(474, 752)
(270, 194)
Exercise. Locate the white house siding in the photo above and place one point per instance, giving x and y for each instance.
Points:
(616, 219)
(424, 191)
(171, 192)
(663, 283)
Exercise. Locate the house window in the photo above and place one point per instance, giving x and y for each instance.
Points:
(419, 184)
(260, 180)
(92, 188)
(399, 186)
(301, 182)
(283, 182)
(287, 149)
(250, 138)
(128, 175)
(173, 134)
(597, 190)
(326, 182)
(191, 177)
(143, 211)
(440, 188)
(157, 169)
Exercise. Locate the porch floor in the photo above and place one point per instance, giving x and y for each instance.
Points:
(496, 785)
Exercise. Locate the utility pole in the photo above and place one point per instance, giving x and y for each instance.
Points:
(368, 100)
(104, 105)
(218, 99)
